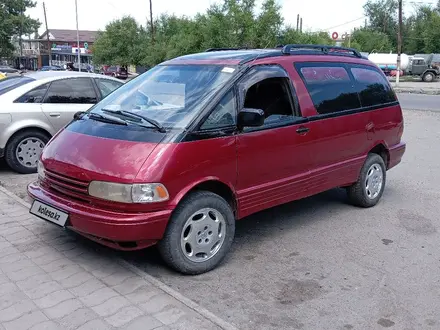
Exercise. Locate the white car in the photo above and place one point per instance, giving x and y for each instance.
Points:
(35, 106)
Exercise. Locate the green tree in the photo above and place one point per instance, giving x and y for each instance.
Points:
(382, 16)
(268, 25)
(232, 23)
(240, 21)
(14, 23)
(368, 40)
(291, 36)
(119, 43)
(431, 34)
(422, 31)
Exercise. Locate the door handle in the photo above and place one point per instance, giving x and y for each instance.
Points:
(302, 130)
(55, 114)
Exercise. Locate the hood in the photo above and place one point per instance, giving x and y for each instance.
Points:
(87, 157)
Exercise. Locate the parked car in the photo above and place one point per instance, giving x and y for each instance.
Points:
(35, 106)
(115, 71)
(181, 152)
(10, 71)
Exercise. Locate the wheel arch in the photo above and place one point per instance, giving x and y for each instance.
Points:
(215, 186)
(381, 150)
(29, 128)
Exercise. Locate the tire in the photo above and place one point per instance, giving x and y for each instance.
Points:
(428, 77)
(358, 193)
(173, 249)
(36, 139)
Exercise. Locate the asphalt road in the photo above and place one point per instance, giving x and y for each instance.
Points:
(322, 264)
(420, 102)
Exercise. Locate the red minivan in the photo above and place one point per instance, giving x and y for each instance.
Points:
(180, 153)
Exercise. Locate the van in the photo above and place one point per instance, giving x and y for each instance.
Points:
(179, 154)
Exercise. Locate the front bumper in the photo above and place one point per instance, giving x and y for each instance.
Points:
(122, 231)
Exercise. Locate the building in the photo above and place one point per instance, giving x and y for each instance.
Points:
(62, 46)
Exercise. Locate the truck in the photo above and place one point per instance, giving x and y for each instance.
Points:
(388, 62)
(424, 67)
(418, 65)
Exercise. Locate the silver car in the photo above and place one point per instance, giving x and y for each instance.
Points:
(34, 107)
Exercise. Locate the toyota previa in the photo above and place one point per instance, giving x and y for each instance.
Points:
(176, 156)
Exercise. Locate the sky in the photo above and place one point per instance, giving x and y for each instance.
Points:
(330, 15)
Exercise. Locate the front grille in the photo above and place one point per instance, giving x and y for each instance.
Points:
(66, 186)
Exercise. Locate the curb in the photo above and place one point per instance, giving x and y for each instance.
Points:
(155, 282)
(417, 91)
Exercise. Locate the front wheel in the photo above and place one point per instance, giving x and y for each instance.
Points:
(199, 234)
(368, 190)
(24, 149)
(428, 77)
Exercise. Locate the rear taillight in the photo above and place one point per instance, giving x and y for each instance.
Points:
(400, 132)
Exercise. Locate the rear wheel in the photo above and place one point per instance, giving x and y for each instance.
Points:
(199, 235)
(368, 190)
(428, 77)
(24, 150)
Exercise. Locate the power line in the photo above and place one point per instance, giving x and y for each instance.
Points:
(352, 21)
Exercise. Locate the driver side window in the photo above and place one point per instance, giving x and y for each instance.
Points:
(272, 95)
(224, 114)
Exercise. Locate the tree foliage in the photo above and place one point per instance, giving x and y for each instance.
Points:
(420, 30)
(233, 23)
(119, 43)
(14, 23)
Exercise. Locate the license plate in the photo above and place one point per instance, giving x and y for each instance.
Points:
(49, 213)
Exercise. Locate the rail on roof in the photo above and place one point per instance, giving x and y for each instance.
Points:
(297, 49)
(224, 49)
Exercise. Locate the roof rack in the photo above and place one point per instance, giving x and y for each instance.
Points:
(324, 49)
(224, 49)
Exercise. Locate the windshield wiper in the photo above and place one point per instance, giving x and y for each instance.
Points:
(107, 119)
(138, 117)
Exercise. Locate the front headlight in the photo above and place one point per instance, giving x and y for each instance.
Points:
(129, 193)
(41, 171)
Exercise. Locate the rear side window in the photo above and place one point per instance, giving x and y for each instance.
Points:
(76, 90)
(372, 87)
(106, 86)
(330, 87)
(34, 96)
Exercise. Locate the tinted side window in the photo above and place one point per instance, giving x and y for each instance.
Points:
(34, 96)
(224, 114)
(107, 86)
(329, 86)
(77, 90)
(372, 87)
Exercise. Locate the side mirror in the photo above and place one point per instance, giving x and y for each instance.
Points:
(78, 115)
(248, 117)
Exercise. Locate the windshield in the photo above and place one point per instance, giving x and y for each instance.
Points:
(10, 83)
(171, 95)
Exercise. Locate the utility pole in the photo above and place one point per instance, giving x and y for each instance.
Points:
(297, 22)
(151, 20)
(49, 47)
(77, 37)
(399, 43)
(301, 25)
(21, 33)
